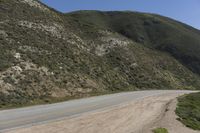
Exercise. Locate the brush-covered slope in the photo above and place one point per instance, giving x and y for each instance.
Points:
(154, 31)
(47, 56)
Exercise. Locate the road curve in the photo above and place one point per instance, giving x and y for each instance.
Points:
(28, 116)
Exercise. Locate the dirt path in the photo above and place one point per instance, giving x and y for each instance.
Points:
(134, 117)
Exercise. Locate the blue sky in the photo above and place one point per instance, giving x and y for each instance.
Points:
(187, 11)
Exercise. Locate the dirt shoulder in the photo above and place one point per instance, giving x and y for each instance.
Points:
(135, 117)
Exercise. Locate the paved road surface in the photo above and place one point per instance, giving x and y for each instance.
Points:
(28, 116)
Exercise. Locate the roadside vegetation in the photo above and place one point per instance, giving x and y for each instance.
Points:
(188, 110)
(160, 130)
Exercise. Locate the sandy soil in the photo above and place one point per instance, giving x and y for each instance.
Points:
(135, 117)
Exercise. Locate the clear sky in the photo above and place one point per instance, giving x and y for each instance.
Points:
(187, 11)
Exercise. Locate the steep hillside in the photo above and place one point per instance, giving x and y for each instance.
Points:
(48, 56)
(154, 31)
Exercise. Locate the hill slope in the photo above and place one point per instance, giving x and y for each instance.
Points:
(48, 56)
(154, 31)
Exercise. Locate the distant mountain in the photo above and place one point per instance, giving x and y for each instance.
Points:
(47, 56)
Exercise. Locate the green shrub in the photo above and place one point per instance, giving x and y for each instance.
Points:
(160, 130)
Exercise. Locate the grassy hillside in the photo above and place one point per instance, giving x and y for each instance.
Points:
(154, 31)
(189, 110)
(48, 56)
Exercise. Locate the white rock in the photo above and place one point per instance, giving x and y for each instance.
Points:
(17, 68)
(34, 3)
(17, 55)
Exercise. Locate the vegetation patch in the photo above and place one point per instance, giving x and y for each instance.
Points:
(188, 110)
(160, 130)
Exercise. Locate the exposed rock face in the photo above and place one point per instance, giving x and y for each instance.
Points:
(54, 29)
(109, 42)
(35, 4)
(47, 56)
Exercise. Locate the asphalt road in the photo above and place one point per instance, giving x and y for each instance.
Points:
(28, 116)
